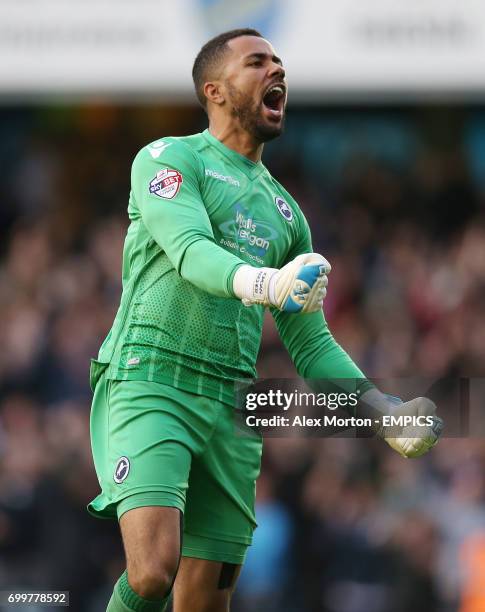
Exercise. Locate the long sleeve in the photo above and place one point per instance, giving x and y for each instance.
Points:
(167, 191)
(313, 349)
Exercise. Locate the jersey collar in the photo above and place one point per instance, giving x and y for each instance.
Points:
(249, 168)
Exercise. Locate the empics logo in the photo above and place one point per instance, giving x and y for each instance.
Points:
(122, 469)
(166, 184)
(284, 209)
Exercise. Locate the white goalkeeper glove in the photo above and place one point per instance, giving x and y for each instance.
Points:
(300, 286)
(416, 429)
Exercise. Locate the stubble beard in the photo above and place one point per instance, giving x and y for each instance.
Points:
(249, 116)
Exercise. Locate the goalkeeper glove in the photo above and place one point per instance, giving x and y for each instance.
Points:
(418, 430)
(300, 286)
(411, 428)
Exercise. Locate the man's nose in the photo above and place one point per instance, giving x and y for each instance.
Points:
(277, 70)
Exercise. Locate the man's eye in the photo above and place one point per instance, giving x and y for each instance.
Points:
(256, 63)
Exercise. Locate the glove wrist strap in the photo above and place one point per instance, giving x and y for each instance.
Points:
(255, 285)
(272, 289)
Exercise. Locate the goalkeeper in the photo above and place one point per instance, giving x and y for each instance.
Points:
(211, 233)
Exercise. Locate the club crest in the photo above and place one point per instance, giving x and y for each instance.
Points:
(122, 469)
(284, 209)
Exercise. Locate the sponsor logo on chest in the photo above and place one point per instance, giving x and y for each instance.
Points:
(246, 230)
(248, 237)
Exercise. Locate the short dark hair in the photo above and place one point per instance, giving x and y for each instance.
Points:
(210, 54)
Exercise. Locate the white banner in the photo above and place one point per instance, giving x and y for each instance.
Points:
(146, 47)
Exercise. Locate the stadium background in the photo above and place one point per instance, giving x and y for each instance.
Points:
(389, 170)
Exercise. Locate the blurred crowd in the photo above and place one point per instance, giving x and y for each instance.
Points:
(396, 201)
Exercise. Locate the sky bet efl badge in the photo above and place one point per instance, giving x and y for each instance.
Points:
(166, 184)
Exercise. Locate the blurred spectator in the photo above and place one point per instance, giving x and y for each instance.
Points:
(266, 573)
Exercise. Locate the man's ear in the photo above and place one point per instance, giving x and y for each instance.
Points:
(213, 92)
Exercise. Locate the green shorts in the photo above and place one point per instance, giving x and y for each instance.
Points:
(154, 445)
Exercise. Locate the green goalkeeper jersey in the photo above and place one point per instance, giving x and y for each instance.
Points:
(198, 210)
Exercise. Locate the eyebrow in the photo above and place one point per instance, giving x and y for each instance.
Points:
(263, 56)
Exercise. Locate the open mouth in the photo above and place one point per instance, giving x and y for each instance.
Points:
(274, 100)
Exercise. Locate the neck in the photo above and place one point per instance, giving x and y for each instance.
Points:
(237, 139)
